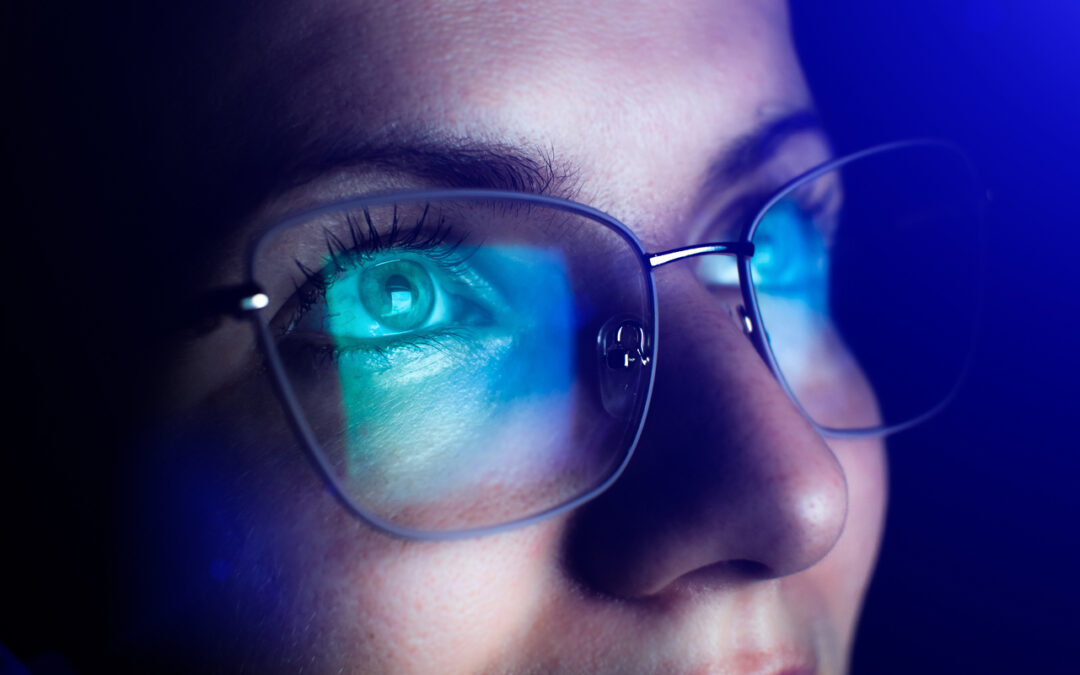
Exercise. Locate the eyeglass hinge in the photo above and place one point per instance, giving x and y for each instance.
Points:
(204, 314)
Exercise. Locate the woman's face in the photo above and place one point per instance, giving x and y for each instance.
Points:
(738, 540)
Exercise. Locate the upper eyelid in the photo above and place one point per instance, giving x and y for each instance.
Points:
(305, 268)
(733, 219)
(739, 214)
(352, 234)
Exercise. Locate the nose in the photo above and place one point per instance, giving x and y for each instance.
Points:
(729, 481)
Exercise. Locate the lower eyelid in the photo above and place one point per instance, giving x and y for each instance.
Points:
(383, 352)
(423, 356)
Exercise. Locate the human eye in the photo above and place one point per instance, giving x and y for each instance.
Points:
(411, 327)
(789, 273)
(386, 299)
(791, 252)
(792, 242)
(793, 284)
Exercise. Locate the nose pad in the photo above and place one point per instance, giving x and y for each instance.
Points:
(625, 354)
(747, 324)
(752, 330)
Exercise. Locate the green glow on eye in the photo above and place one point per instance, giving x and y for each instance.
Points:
(458, 355)
(385, 298)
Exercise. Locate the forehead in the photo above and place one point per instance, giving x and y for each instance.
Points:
(639, 98)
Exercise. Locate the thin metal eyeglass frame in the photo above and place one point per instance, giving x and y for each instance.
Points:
(298, 420)
(742, 250)
(753, 307)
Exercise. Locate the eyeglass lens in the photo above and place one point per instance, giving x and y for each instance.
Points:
(468, 362)
(462, 363)
(867, 279)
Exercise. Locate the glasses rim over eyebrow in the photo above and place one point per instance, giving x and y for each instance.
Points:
(249, 301)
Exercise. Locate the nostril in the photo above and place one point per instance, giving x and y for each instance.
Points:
(750, 569)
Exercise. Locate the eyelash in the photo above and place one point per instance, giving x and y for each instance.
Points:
(440, 244)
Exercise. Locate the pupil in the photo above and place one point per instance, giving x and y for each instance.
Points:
(398, 283)
(400, 295)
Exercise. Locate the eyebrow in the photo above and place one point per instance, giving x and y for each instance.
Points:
(452, 163)
(456, 163)
(749, 152)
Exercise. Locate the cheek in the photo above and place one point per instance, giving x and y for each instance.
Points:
(470, 601)
(310, 584)
(431, 607)
(817, 365)
(404, 607)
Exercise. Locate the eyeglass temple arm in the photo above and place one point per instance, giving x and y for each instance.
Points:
(204, 314)
(739, 248)
(238, 301)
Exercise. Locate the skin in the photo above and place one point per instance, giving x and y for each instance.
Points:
(737, 541)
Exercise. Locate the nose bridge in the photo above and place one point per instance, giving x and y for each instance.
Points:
(732, 282)
(742, 249)
(729, 481)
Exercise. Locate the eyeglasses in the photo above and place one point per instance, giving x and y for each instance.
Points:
(462, 362)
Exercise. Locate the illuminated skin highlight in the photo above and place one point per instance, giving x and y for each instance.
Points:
(737, 541)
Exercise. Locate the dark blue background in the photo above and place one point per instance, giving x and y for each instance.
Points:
(979, 568)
